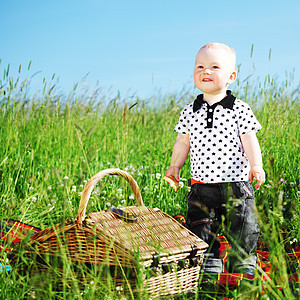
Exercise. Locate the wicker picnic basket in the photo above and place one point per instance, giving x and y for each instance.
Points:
(129, 240)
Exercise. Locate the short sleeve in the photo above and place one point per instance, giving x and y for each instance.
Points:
(247, 120)
(183, 122)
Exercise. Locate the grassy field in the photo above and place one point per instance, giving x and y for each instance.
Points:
(52, 143)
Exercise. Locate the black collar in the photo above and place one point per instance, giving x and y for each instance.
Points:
(226, 102)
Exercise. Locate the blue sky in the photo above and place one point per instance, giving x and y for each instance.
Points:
(141, 47)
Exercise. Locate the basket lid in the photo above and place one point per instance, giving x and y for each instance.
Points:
(153, 233)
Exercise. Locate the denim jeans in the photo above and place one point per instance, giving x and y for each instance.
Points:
(228, 208)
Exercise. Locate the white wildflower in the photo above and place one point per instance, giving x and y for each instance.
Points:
(66, 178)
(108, 204)
(31, 188)
(158, 175)
(49, 187)
(293, 241)
(53, 202)
(181, 184)
(131, 197)
(119, 191)
(33, 199)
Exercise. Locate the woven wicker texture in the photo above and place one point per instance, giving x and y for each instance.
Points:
(154, 232)
(150, 239)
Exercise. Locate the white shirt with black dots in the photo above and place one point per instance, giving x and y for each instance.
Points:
(216, 152)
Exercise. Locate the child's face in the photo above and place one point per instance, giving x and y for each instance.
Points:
(214, 70)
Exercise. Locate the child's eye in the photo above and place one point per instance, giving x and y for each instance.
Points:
(215, 67)
(200, 67)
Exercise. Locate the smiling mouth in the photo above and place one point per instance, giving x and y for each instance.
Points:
(206, 80)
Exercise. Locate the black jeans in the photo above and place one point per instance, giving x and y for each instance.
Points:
(229, 207)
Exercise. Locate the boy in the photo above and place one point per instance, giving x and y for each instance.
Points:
(219, 131)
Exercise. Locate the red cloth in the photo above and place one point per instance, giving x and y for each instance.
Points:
(12, 231)
(233, 280)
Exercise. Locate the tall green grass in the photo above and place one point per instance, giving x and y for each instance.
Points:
(52, 143)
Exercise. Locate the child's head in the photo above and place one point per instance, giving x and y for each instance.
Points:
(229, 52)
(215, 68)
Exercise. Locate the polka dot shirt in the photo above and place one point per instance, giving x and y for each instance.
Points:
(216, 151)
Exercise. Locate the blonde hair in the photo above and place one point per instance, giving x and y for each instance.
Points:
(229, 50)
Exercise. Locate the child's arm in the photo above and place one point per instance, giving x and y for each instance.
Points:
(180, 153)
(252, 150)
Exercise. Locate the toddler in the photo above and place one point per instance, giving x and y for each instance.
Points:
(219, 132)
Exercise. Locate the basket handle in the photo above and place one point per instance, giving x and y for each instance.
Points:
(92, 183)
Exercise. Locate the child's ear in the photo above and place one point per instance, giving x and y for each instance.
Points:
(232, 77)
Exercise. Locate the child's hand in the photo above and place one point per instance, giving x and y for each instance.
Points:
(172, 177)
(173, 183)
(173, 173)
(259, 174)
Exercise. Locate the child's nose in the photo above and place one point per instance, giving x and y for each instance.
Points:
(207, 71)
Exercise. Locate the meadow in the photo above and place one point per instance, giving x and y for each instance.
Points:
(51, 143)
